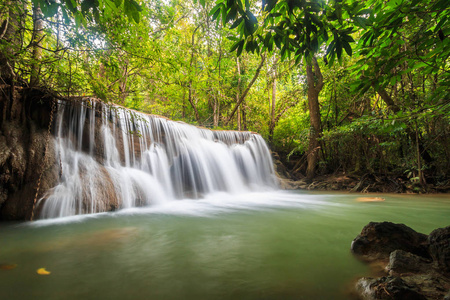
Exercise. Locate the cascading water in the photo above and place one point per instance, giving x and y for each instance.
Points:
(113, 158)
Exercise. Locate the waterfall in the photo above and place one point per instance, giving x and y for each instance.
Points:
(111, 158)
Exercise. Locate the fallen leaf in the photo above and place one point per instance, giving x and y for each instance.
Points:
(369, 199)
(8, 266)
(43, 271)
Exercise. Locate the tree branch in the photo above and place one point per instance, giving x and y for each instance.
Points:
(244, 94)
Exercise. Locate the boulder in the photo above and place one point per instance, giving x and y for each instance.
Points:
(378, 239)
(417, 264)
(439, 248)
(402, 262)
(384, 288)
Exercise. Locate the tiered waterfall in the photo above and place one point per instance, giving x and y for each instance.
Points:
(111, 158)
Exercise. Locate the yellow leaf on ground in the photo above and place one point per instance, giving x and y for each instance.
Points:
(8, 266)
(43, 271)
(370, 199)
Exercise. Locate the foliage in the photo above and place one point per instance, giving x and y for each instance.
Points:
(86, 11)
(384, 107)
(405, 36)
(297, 28)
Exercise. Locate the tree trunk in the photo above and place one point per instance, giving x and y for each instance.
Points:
(244, 94)
(123, 84)
(184, 104)
(394, 108)
(191, 101)
(191, 96)
(10, 19)
(216, 112)
(274, 95)
(238, 68)
(38, 36)
(314, 115)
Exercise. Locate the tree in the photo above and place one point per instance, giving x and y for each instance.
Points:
(297, 28)
(11, 14)
(37, 37)
(315, 85)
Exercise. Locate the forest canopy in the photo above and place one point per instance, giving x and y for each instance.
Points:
(360, 87)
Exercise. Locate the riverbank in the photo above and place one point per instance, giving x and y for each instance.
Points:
(362, 183)
(367, 183)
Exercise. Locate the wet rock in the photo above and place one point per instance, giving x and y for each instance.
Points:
(417, 266)
(402, 262)
(378, 239)
(431, 285)
(23, 133)
(439, 248)
(280, 168)
(288, 184)
(387, 288)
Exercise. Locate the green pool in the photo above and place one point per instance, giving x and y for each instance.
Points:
(273, 245)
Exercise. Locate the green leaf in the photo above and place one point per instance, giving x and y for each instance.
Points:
(236, 23)
(232, 38)
(71, 5)
(216, 14)
(240, 48)
(330, 48)
(250, 24)
(135, 14)
(364, 12)
(268, 5)
(267, 39)
(347, 47)
(236, 45)
(231, 14)
(338, 48)
(361, 21)
(216, 8)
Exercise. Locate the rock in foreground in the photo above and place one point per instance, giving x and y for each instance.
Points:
(416, 265)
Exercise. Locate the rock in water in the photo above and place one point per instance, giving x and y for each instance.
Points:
(387, 288)
(401, 262)
(418, 265)
(378, 239)
(439, 248)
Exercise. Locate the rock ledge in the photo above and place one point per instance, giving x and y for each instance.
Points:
(416, 266)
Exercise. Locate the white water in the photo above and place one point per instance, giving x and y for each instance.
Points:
(112, 158)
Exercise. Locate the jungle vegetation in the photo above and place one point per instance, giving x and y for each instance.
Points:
(359, 87)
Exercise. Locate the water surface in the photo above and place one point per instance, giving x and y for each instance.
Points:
(272, 245)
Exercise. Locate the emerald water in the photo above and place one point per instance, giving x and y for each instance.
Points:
(273, 245)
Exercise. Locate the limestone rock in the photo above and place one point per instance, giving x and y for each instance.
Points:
(378, 239)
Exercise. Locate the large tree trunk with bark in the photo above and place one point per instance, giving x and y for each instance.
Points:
(314, 115)
(38, 35)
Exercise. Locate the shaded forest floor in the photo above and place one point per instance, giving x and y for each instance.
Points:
(362, 183)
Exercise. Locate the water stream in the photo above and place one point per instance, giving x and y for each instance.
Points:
(112, 158)
(196, 216)
(256, 245)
